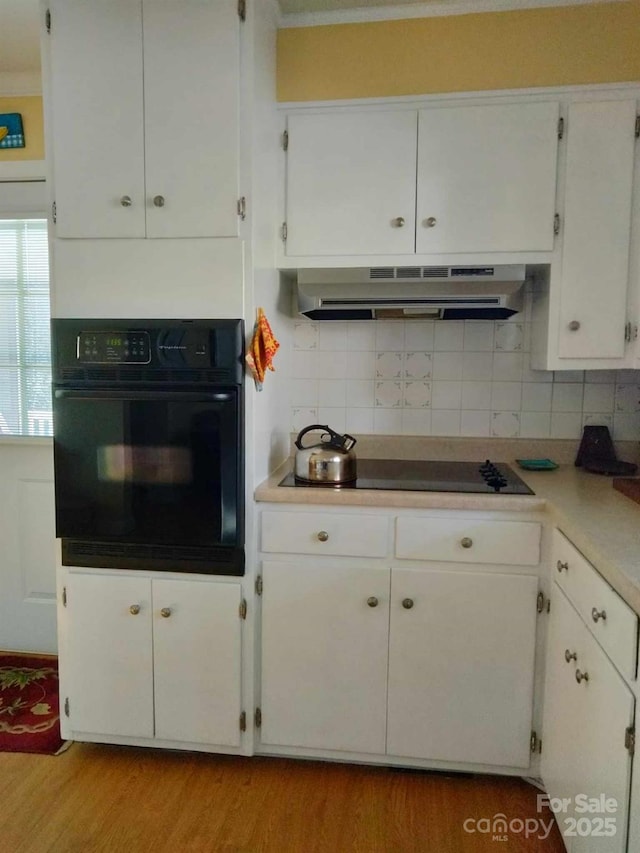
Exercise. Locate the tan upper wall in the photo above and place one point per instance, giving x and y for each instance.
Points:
(498, 50)
(30, 107)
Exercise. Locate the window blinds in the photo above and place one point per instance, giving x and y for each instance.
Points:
(25, 372)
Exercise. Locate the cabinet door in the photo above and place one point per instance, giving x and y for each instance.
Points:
(110, 658)
(461, 655)
(324, 656)
(196, 641)
(191, 101)
(96, 117)
(487, 178)
(351, 183)
(597, 216)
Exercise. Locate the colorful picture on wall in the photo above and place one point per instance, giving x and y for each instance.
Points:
(11, 132)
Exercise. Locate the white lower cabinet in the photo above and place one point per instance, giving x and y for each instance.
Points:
(589, 712)
(151, 658)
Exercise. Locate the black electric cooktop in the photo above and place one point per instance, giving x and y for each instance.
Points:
(428, 476)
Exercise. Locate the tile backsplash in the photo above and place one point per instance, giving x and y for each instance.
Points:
(449, 378)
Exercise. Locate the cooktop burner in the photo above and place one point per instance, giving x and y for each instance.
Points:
(428, 476)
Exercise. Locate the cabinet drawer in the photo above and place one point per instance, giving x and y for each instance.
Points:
(468, 541)
(611, 621)
(324, 533)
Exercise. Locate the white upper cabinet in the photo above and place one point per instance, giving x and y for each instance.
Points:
(487, 178)
(144, 117)
(597, 219)
(351, 183)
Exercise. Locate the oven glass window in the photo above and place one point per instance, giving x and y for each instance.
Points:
(147, 470)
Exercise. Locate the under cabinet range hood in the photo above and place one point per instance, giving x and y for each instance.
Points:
(438, 292)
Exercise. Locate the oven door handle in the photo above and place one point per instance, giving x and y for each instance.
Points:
(104, 394)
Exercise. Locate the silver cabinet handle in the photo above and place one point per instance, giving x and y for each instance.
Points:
(134, 609)
(560, 566)
(398, 222)
(372, 601)
(125, 201)
(158, 200)
(430, 222)
(596, 615)
(323, 536)
(166, 612)
(569, 656)
(581, 676)
(574, 325)
(407, 603)
(466, 542)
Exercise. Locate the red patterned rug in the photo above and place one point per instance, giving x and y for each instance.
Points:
(29, 713)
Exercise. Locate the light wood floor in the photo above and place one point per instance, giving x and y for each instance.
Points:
(129, 800)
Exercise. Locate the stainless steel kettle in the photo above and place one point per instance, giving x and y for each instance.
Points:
(331, 461)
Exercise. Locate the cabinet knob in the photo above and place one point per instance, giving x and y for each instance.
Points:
(574, 325)
(372, 601)
(430, 222)
(581, 676)
(323, 536)
(407, 603)
(398, 222)
(597, 615)
(569, 656)
(166, 612)
(134, 609)
(125, 201)
(560, 566)
(466, 542)
(158, 200)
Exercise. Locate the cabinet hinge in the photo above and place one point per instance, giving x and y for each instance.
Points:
(66, 707)
(630, 332)
(556, 224)
(47, 20)
(285, 140)
(638, 127)
(257, 717)
(283, 232)
(64, 596)
(54, 212)
(259, 585)
(540, 602)
(243, 721)
(535, 743)
(242, 208)
(242, 610)
(560, 127)
(242, 10)
(630, 739)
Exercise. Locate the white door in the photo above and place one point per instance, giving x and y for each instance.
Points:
(597, 216)
(109, 657)
(487, 178)
(97, 130)
(324, 656)
(461, 656)
(351, 183)
(196, 640)
(191, 102)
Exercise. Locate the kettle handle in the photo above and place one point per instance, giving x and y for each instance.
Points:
(343, 442)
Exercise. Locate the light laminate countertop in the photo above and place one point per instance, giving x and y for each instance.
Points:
(601, 522)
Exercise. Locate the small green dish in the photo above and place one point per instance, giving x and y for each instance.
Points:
(537, 464)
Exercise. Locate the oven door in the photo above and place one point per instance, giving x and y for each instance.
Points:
(157, 472)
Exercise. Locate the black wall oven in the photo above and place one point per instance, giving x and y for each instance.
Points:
(148, 444)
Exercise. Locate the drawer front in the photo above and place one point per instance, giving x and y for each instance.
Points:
(468, 541)
(611, 621)
(323, 533)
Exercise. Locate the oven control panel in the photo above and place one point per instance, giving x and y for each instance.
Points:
(105, 347)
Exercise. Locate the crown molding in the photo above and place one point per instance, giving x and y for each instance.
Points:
(437, 8)
(15, 84)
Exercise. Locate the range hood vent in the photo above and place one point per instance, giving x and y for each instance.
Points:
(442, 292)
